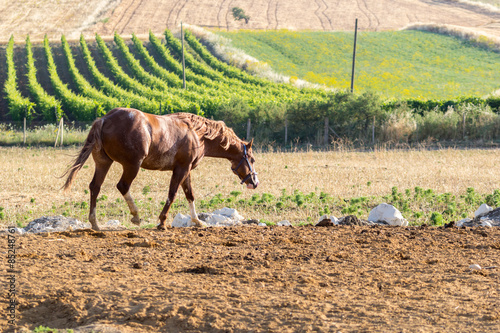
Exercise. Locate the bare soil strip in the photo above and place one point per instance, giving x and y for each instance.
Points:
(344, 278)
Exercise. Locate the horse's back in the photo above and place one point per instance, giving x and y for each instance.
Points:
(131, 136)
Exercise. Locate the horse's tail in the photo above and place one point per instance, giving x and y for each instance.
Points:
(92, 142)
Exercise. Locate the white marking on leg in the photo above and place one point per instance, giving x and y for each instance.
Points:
(192, 210)
(194, 216)
(133, 208)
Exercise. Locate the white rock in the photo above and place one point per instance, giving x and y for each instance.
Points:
(475, 267)
(284, 223)
(182, 221)
(20, 231)
(262, 224)
(113, 223)
(222, 217)
(230, 213)
(218, 219)
(460, 223)
(486, 223)
(387, 213)
(483, 209)
(329, 217)
(54, 223)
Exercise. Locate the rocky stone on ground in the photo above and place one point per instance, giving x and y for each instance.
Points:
(53, 224)
(488, 219)
(387, 213)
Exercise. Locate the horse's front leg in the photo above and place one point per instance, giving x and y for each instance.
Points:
(188, 191)
(178, 176)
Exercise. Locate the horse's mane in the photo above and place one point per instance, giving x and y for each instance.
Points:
(210, 129)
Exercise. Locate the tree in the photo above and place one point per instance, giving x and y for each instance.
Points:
(239, 14)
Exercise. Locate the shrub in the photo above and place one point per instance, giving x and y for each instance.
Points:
(436, 218)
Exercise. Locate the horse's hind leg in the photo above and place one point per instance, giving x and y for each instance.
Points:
(128, 176)
(178, 176)
(188, 191)
(102, 165)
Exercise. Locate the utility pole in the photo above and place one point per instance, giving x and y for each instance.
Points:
(354, 55)
(183, 63)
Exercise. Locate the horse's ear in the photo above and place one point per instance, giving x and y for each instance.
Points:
(249, 145)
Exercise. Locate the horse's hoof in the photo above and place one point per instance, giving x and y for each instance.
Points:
(161, 227)
(199, 224)
(136, 220)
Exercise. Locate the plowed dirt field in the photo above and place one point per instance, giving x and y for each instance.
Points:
(261, 279)
(56, 17)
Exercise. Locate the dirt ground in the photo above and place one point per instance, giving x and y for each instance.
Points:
(262, 279)
(328, 15)
(56, 17)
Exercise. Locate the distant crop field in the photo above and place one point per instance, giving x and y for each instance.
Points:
(397, 64)
(40, 17)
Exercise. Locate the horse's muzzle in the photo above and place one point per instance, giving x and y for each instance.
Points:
(254, 182)
(252, 186)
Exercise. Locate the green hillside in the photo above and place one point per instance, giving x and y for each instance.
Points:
(399, 64)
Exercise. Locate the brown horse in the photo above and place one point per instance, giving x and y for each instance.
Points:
(175, 142)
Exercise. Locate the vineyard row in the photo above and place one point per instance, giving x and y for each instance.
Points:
(144, 75)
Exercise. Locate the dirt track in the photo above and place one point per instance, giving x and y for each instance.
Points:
(343, 278)
(56, 17)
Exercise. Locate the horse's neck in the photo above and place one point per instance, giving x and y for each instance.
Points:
(214, 148)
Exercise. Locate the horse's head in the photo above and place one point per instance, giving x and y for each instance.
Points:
(243, 167)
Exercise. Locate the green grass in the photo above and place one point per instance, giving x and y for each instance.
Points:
(417, 205)
(399, 64)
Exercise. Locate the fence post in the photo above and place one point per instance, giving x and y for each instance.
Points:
(463, 126)
(62, 131)
(373, 131)
(286, 130)
(24, 131)
(59, 130)
(249, 126)
(57, 136)
(326, 132)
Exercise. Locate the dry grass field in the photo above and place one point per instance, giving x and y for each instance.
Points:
(249, 278)
(31, 187)
(51, 17)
